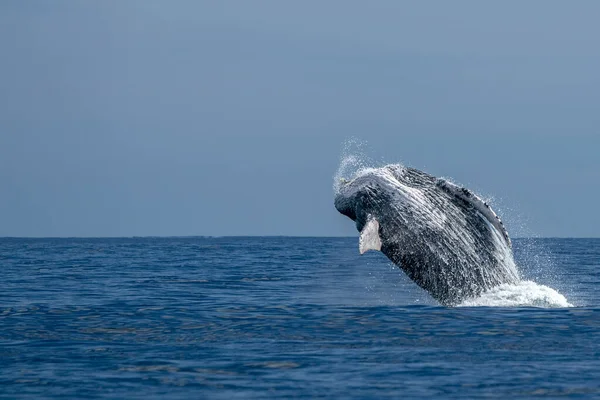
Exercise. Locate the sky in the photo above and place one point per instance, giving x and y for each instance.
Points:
(156, 118)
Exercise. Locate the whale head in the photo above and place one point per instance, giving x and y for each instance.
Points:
(373, 191)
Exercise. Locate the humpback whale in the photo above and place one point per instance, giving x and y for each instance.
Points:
(444, 237)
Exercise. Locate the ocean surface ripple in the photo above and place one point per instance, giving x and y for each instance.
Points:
(286, 317)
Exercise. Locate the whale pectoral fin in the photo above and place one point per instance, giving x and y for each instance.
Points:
(369, 237)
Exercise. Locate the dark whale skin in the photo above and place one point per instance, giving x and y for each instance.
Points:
(445, 238)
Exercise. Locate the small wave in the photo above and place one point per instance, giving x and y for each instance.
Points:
(522, 294)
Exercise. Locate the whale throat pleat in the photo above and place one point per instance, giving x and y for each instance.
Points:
(369, 237)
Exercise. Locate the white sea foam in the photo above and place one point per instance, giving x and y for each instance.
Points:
(521, 294)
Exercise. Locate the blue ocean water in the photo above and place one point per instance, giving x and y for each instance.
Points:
(180, 318)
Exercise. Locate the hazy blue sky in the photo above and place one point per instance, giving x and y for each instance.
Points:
(122, 118)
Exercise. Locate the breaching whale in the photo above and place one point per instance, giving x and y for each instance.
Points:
(444, 237)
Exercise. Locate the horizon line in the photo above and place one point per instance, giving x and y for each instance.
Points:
(249, 236)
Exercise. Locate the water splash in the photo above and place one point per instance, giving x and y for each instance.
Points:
(353, 161)
(521, 294)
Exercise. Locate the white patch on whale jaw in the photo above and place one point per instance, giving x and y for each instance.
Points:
(369, 236)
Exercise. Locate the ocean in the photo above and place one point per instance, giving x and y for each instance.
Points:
(279, 317)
